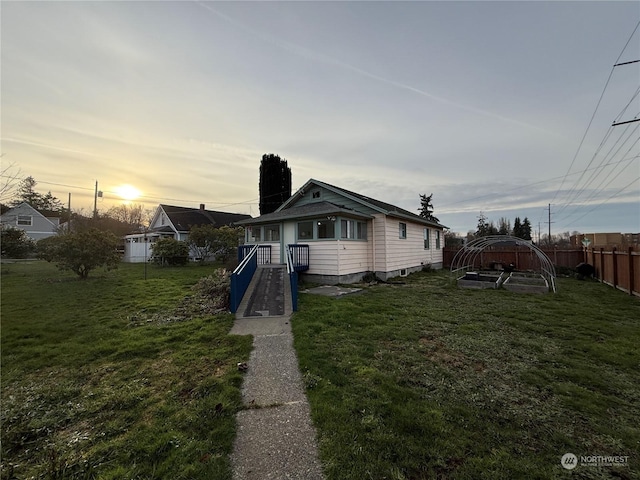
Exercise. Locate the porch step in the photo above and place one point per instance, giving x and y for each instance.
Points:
(267, 293)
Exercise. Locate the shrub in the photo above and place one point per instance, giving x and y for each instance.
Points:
(169, 251)
(81, 252)
(15, 243)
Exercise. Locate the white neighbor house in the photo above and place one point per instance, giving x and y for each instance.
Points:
(174, 222)
(35, 224)
(348, 235)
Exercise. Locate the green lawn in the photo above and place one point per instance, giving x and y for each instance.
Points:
(425, 381)
(95, 384)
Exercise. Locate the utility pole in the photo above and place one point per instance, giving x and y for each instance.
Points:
(97, 194)
(549, 222)
(69, 215)
(539, 234)
(95, 202)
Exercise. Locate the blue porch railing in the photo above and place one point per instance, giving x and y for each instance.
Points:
(293, 281)
(241, 277)
(299, 256)
(264, 253)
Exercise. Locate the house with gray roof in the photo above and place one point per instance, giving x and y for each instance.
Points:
(36, 225)
(175, 222)
(347, 235)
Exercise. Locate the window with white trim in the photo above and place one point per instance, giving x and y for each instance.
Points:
(402, 230)
(437, 239)
(427, 242)
(24, 220)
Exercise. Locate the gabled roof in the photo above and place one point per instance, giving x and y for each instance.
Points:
(372, 203)
(183, 218)
(27, 209)
(316, 209)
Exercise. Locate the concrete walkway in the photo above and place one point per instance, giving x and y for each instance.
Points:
(275, 437)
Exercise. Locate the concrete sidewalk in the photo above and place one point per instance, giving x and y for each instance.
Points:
(275, 438)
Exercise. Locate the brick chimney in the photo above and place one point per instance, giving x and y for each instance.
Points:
(202, 206)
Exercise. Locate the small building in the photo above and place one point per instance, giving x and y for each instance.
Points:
(348, 235)
(175, 222)
(37, 225)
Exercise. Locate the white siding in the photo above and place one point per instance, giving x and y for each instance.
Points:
(354, 257)
(380, 243)
(408, 252)
(323, 257)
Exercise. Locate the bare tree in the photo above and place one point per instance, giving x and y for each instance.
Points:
(9, 178)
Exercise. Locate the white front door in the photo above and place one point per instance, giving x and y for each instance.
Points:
(288, 236)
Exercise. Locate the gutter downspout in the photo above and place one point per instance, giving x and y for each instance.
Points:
(373, 243)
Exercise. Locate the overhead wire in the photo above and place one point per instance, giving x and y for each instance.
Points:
(593, 115)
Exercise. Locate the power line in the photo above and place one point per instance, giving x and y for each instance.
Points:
(600, 204)
(575, 156)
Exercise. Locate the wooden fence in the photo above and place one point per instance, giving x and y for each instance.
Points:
(618, 268)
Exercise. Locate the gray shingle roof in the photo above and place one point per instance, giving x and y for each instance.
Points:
(316, 209)
(183, 218)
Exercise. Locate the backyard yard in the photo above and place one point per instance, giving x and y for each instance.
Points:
(423, 380)
(107, 378)
(104, 378)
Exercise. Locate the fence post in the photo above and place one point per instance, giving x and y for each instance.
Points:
(615, 267)
(631, 272)
(601, 264)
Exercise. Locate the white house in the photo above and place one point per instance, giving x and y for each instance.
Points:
(175, 222)
(35, 224)
(348, 235)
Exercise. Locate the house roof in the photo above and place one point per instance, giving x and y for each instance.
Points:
(27, 209)
(317, 209)
(183, 218)
(377, 205)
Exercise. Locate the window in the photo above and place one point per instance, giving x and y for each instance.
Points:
(272, 233)
(353, 230)
(361, 230)
(346, 228)
(402, 230)
(253, 234)
(427, 243)
(25, 220)
(437, 239)
(305, 231)
(326, 229)
(316, 194)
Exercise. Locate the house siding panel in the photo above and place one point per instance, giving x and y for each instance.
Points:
(355, 257)
(408, 252)
(322, 258)
(329, 196)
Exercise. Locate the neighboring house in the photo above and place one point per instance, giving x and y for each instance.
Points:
(348, 235)
(36, 225)
(174, 222)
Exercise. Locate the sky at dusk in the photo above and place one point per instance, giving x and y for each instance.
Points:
(494, 107)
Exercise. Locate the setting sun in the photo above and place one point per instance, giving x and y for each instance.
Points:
(128, 192)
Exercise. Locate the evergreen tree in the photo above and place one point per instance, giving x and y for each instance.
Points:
(43, 203)
(504, 226)
(526, 229)
(517, 228)
(275, 183)
(426, 208)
